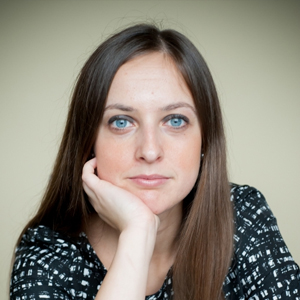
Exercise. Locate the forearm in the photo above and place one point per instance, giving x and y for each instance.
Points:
(127, 276)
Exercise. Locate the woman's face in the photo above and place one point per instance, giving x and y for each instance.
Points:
(149, 140)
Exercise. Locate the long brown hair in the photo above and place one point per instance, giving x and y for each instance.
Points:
(206, 238)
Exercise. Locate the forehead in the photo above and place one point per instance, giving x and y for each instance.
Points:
(149, 79)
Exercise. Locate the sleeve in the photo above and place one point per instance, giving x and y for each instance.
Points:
(263, 267)
(32, 278)
(50, 265)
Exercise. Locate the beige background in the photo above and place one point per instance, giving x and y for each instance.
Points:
(252, 48)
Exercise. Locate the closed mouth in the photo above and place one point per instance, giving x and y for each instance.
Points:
(153, 180)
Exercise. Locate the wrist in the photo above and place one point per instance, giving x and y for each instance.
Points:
(141, 236)
(146, 225)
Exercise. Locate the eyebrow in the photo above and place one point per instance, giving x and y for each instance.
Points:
(178, 105)
(120, 107)
(165, 108)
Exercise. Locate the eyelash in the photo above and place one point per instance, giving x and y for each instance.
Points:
(165, 120)
(179, 117)
(118, 118)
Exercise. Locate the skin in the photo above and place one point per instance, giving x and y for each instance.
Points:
(147, 158)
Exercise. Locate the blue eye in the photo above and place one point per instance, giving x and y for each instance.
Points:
(120, 123)
(176, 121)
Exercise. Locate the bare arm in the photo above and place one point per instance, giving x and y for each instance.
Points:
(127, 276)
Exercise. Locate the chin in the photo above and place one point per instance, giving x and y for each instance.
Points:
(157, 201)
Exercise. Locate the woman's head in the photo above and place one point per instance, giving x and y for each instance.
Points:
(93, 86)
(89, 101)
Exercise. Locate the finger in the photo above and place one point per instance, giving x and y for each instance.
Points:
(88, 191)
(88, 171)
(90, 165)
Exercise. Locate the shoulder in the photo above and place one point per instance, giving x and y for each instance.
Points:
(255, 224)
(262, 266)
(246, 198)
(44, 247)
(251, 208)
(50, 262)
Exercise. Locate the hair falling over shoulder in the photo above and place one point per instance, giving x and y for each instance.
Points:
(206, 239)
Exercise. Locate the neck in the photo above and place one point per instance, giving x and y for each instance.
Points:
(170, 222)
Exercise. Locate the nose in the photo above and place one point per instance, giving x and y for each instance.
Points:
(149, 145)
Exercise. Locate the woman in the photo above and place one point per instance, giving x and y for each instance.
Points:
(139, 201)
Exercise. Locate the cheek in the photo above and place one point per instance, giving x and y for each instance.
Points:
(186, 156)
(190, 163)
(111, 160)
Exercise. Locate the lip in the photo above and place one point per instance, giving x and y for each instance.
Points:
(153, 180)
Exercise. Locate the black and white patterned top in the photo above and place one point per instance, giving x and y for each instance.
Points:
(49, 265)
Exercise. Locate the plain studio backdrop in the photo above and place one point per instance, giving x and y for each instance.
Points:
(252, 48)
